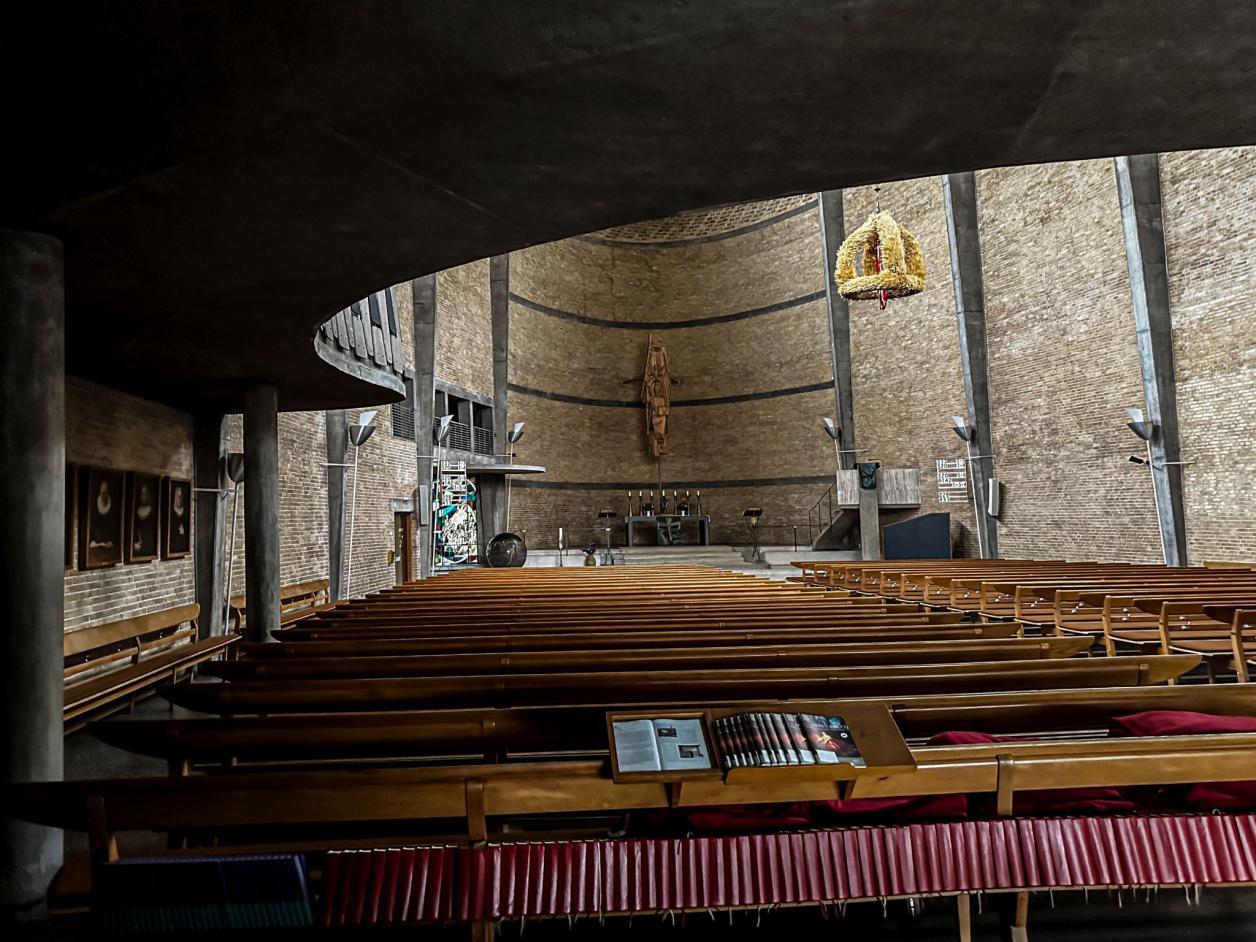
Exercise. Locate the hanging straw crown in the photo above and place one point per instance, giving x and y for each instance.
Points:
(902, 264)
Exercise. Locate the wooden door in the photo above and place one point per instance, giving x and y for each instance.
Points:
(403, 547)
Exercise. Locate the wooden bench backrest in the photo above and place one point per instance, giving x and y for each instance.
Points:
(83, 640)
(292, 598)
(242, 800)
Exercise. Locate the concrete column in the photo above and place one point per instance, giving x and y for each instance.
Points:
(1138, 186)
(959, 193)
(493, 487)
(209, 451)
(337, 454)
(261, 512)
(32, 543)
(423, 296)
(832, 232)
(870, 520)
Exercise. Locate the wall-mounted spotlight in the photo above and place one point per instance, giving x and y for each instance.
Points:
(358, 434)
(966, 432)
(1134, 459)
(960, 426)
(442, 428)
(235, 473)
(1139, 425)
(516, 433)
(831, 429)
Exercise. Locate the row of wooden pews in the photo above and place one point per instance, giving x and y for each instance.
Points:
(1209, 612)
(440, 751)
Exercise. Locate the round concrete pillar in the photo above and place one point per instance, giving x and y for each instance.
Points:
(32, 544)
(261, 512)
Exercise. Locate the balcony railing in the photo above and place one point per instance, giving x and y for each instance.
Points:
(462, 437)
(364, 340)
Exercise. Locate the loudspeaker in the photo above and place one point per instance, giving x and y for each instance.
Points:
(868, 475)
(994, 498)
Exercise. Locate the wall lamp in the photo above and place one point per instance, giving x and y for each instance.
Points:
(1139, 425)
(516, 433)
(358, 436)
(960, 426)
(965, 431)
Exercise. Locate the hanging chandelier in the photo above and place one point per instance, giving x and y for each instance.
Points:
(880, 260)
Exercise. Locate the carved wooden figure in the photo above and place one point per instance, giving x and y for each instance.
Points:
(656, 393)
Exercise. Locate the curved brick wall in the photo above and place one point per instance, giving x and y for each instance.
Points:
(738, 298)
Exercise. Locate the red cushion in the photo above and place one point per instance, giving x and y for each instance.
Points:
(1204, 796)
(911, 808)
(743, 818)
(1046, 801)
(1180, 723)
(1221, 796)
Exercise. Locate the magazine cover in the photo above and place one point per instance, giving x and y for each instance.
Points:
(831, 740)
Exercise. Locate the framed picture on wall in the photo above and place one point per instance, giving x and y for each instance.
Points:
(143, 504)
(71, 508)
(177, 519)
(100, 517)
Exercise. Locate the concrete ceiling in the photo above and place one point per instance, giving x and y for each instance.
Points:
(226, 175)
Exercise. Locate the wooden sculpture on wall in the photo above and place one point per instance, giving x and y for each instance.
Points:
(656, 393)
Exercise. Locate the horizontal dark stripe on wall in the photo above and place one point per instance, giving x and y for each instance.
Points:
(671, 485)
(574, 400)
(703, 239)
(676, 403)
(666, 325)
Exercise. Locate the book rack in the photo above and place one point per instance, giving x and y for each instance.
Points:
(871, 724)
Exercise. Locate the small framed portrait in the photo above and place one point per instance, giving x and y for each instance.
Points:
(71, 512)
(177, 519)
(143, 518)
(100, 518)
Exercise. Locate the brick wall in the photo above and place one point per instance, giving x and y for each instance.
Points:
(464, 329)
(1209, 213)
(1063, 364)
(905, 365)
(302, 499)
(779, 438)
(109, 429)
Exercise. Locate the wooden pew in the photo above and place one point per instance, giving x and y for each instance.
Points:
(337, 646)
(283, 696)
(1159, 618)
(503, 663)
(608, 624)
(244, 808)
(1242, 622)
(296, 601)
(535, 732)
(108, 666)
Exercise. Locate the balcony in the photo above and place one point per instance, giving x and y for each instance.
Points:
(363, 340)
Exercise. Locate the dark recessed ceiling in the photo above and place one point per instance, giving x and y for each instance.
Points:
(226, 175)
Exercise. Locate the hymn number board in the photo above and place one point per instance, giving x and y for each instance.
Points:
(952, 480)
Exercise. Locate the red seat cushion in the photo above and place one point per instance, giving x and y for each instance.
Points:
(1204, 796)
(1179, 723)
(896, 809)
(742, 818)
(1050, 801)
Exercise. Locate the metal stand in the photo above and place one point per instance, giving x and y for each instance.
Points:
(608, 555)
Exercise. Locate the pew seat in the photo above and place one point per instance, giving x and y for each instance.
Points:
(107, 666)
